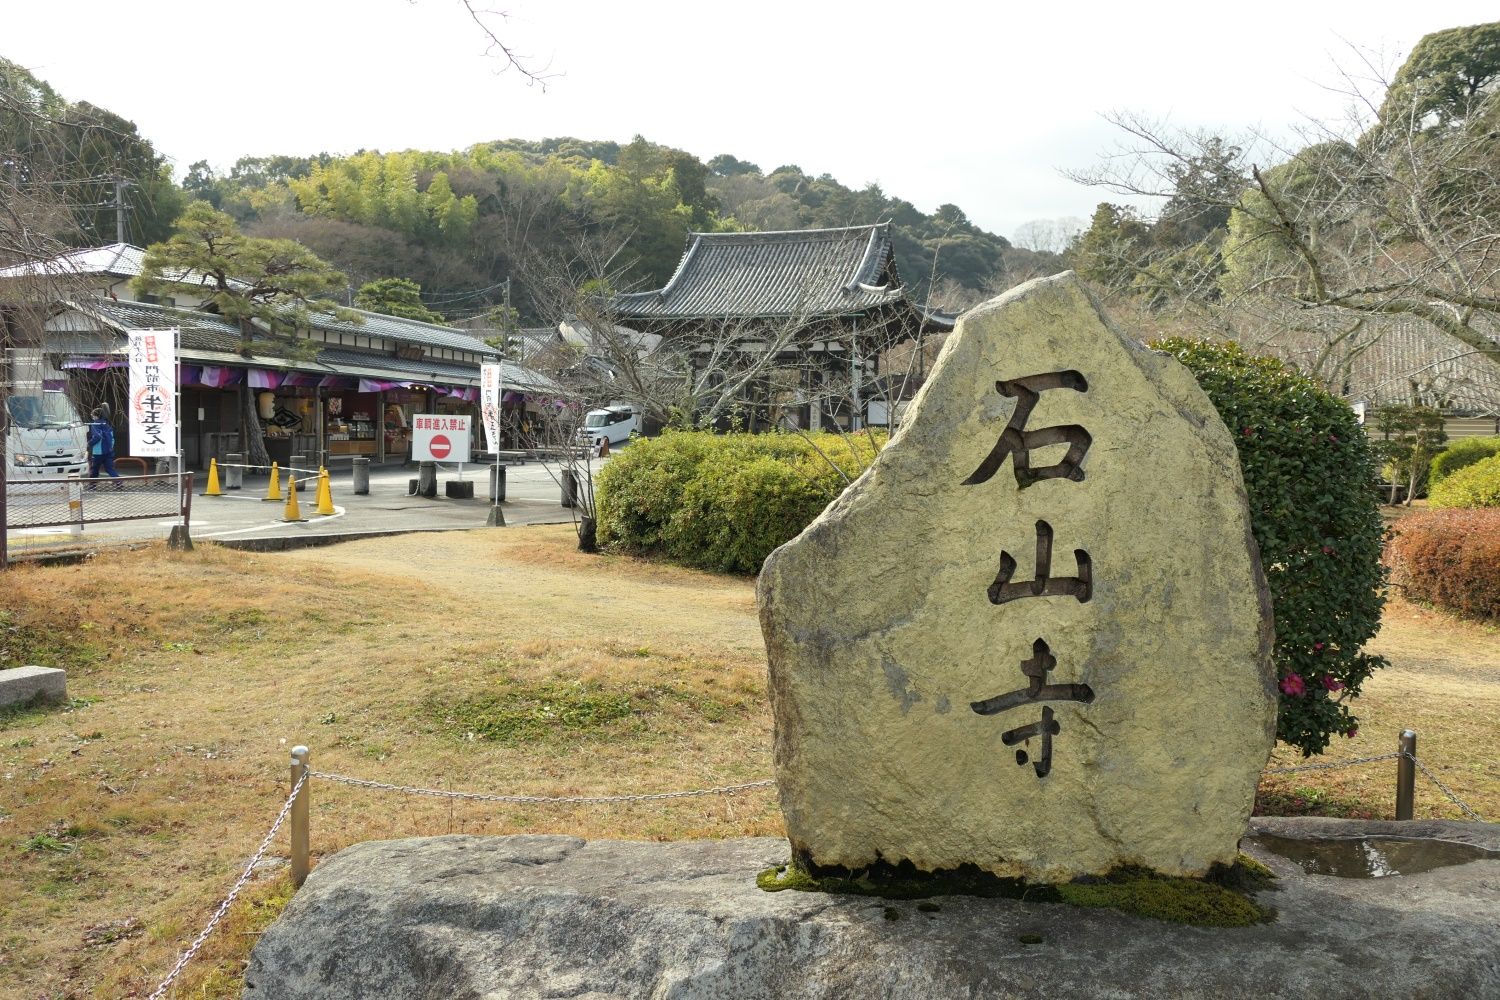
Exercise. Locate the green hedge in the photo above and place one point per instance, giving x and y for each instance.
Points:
(1460, 455)
(723, 501)
(1473, 486)
(1308, 470)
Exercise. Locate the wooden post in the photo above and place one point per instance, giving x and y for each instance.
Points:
(300, 832)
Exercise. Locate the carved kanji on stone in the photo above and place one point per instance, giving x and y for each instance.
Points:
(1036, 669)
(1081, 586)
(1017, 441)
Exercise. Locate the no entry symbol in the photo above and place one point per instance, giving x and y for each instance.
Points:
(440, 446)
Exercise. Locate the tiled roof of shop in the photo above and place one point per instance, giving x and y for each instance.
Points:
(118, 258)
(125, 260)
(206, 332)
(516, 376)
(815, 272)
(408, 330)
(200, 330)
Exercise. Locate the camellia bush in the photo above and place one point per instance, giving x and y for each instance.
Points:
(1309, 474)
(1451, 559)
(724, 501)
(1472, 486)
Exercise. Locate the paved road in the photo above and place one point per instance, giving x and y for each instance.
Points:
(532, 497)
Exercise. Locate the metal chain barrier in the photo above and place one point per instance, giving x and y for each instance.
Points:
(1445, 789)
(213, 921)
(1333, 765)
(342, 779)
(539, 799)
(1452, 797)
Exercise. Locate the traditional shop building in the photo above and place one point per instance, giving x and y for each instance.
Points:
(336, 388)
(837, 292)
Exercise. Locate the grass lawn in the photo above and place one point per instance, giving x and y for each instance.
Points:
(487, 660)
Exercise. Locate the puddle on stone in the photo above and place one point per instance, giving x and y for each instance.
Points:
(1370, 857)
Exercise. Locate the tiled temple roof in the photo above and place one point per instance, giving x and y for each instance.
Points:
(812, 273)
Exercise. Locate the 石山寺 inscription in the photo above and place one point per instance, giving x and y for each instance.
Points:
(1121, 649)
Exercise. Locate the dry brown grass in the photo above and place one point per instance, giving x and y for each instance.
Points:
(200, 671)
(124, 818)
(1444, 683)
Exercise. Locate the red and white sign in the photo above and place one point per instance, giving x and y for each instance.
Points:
(153, 392)
(491, 390)
(439, 438)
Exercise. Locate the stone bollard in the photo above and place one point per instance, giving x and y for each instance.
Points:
(569, 488)
(362, 477)
(234, 471)
(427, 479)
(166, 465)
(298, 463)
(497, 473)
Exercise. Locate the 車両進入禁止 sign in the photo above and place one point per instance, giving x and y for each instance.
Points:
(439, 438)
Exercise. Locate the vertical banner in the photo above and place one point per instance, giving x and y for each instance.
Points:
(489, 404)
(153, 392)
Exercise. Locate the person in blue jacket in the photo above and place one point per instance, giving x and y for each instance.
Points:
(101, 444)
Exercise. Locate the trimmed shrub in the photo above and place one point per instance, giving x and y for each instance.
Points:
(1308, 470)
(723, 501)
(1460, 455)
(1450, 558)
(1473, 486)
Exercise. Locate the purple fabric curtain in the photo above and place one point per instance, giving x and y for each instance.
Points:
(219, 377)
(95, 364)
(261, 378)
(301, 379)
(342, 382)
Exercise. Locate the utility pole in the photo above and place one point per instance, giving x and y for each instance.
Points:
(120, 185)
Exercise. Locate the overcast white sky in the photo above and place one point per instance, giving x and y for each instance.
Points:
(975, 104)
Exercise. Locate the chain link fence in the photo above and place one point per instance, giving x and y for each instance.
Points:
(68, 502)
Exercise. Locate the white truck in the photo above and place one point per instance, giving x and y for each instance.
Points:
(614, 423)
(47, 439)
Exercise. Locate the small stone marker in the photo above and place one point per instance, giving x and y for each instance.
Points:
(21, 685)
(1035, 636)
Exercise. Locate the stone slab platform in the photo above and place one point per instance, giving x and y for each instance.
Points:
(505, 918)
(20, 685)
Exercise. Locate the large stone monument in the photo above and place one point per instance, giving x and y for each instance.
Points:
(1034, 637)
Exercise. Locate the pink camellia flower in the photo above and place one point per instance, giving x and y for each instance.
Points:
(1317, 647)
(1334, 438)
(1351, 732)
(1328, 550)
(1293, 684)
(1247, 431)
(1332, 683)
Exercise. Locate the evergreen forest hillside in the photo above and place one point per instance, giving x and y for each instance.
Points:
(460, 223)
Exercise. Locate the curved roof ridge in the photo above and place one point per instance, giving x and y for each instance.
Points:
(682, 264)
(874, 255)
(797, 234)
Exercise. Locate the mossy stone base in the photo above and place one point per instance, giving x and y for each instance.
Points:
(1225, 898)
